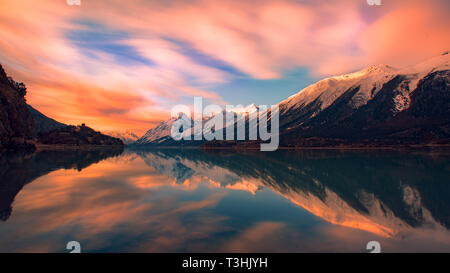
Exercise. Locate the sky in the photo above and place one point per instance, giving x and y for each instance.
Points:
(122, 65)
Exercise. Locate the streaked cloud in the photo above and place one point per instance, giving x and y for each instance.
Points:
(123, 64)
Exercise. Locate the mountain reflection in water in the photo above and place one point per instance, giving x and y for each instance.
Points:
(220, 201)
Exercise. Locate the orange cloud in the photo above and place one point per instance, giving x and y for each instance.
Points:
(408, 34)
(262, 40)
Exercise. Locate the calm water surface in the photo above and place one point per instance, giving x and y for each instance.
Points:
(195, 201)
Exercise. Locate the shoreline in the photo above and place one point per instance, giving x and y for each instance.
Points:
(65, 147)
(405, 147)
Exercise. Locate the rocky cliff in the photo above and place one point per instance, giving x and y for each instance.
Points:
(16, 122)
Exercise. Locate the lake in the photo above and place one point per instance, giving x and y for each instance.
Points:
(189, 200)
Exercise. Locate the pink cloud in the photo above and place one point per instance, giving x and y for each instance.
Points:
(263, 39)
(271, 37)
(408, 34)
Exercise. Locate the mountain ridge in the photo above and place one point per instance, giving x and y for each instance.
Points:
(42, 123)
(361, 107)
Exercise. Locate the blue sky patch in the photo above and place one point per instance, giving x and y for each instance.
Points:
(247, 90)
(203, 59)
(93, 36)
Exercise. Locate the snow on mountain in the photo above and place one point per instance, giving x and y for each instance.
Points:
(162, 130)
(418, 71)
(243, 110)
(365, 104)
(127, 137)
(369, 81)
(359, 105)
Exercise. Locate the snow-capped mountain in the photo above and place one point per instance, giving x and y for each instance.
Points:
(377, 105)
(157, 134)
(161, 134)
(245, 110)
(127, 137)
(368, 81)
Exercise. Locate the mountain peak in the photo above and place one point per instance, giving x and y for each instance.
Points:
(247, 109)
(369, 81)
(379, 68)
(368, 71)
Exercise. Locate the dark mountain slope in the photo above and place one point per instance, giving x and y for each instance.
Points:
(77, 136)
(42, 123)
(16, 121)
